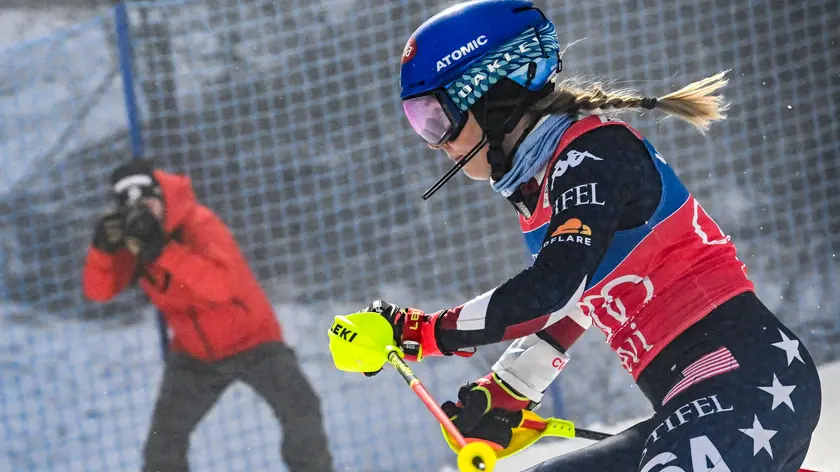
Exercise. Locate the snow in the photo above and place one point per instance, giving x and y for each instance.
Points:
(40, 103)
(78, 396)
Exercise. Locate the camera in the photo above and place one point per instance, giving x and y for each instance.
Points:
(140, 222)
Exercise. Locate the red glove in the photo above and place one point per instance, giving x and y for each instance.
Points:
(414, 331)
(488, 409)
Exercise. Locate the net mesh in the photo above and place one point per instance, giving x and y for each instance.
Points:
(286, 116)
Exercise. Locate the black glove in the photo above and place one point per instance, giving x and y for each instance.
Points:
(488, 409)
(110, 231)
(391, 312)
(144, 234)
(394, 314)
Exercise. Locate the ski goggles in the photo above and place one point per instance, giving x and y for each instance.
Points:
(434, 117)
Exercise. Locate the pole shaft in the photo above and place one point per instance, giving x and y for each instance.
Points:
(427, 399)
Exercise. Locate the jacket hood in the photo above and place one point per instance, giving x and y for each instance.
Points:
(179, 199)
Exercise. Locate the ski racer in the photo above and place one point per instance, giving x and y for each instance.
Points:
(617, 241)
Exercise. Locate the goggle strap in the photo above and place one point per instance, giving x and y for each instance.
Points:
(458, 166)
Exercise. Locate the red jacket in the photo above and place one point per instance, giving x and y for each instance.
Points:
(201, 282)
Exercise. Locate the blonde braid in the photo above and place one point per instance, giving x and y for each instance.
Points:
(693, 103)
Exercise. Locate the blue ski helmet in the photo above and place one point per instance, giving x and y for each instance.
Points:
(453, 59)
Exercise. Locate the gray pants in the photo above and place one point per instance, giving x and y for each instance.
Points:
(191, 387)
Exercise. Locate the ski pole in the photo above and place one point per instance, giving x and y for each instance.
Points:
(473, 456)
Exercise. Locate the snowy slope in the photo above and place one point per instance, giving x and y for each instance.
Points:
(40, 102)
(823, 454)
(77, 397)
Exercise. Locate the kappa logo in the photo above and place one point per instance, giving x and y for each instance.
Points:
(573, 159)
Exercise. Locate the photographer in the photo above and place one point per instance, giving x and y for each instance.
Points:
(224, 328)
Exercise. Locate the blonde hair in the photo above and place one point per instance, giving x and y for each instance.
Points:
(694, 103)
